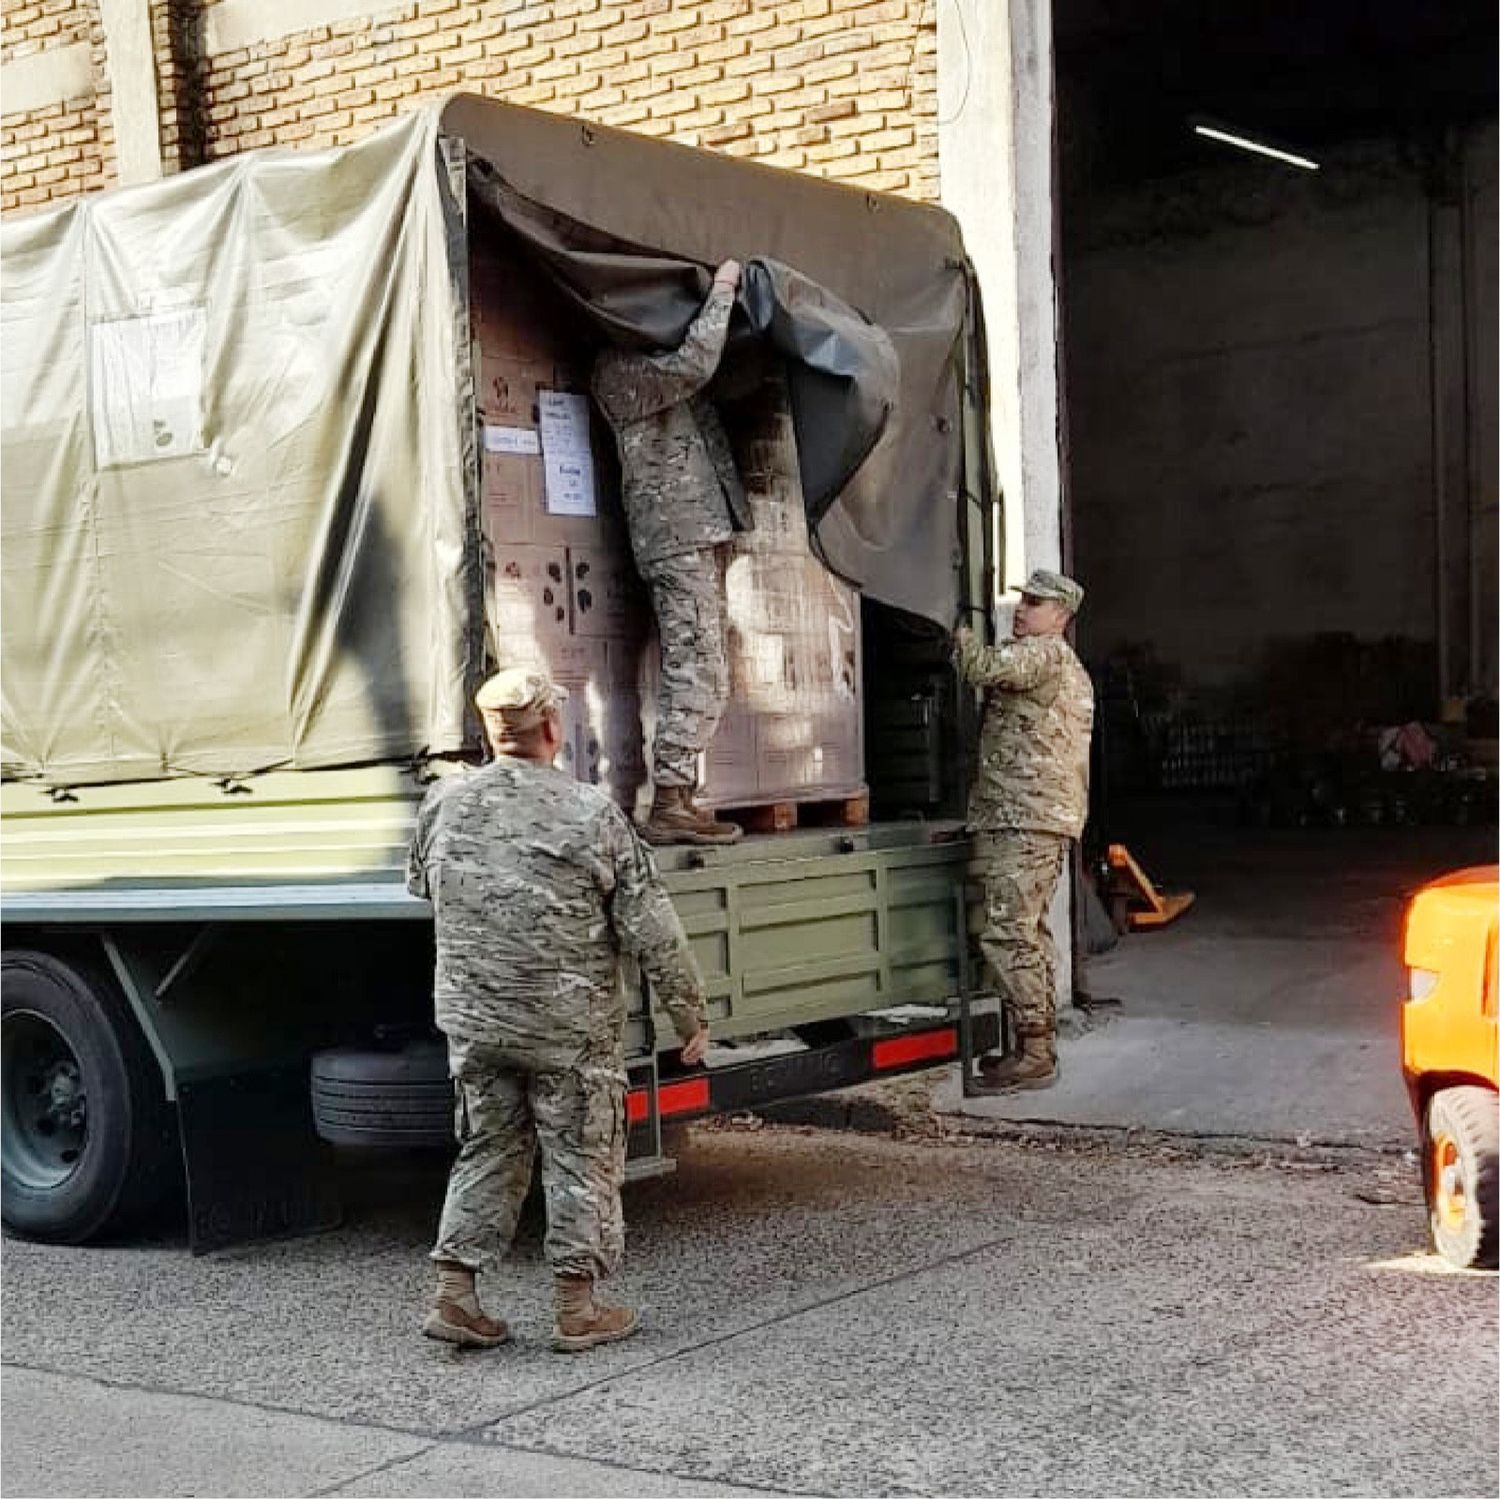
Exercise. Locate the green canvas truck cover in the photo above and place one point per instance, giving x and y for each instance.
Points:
(239, 529)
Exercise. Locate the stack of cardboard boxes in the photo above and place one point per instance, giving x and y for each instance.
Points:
(562, 591)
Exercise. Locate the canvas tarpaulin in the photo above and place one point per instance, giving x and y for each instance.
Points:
(234, 527)
(238, 524)
(843, 373)
(578, 192)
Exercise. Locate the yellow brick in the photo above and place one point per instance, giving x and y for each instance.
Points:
(749, 66)
(841, 110)
(850, 41)
(563, 67)
(553, 31)
(724, 10)
(531, 57)
(724, 93)
(531, 93)
(886, 181)
(578, 45)
(601, 98)
(892, 139)
(720, 135)
(505, 44)
(803, 10)
(779, 83)
(799, 56)
(832, 151)
(753, 23)
(679, 19)
(631, 113)
(891, 13)
(670, 106)
(822, 72)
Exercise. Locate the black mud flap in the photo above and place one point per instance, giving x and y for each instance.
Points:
(255, 1166)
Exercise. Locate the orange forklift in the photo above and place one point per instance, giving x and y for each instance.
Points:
(1449, 1058)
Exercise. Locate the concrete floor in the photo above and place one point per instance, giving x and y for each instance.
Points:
(1270, 1010)
(825, 1313)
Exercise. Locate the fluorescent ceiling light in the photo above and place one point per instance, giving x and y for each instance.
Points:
(1245, 143)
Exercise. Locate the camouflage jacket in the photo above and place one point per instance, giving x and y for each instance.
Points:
(681, 489)
(538, 884)
(1034, 746)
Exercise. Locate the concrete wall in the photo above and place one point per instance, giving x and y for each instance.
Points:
(1264, 402)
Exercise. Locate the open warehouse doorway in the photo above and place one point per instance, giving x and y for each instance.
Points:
(1281, 397)
(1278, 378)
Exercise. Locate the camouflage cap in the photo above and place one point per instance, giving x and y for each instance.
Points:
(520, 697)
(1043, 584)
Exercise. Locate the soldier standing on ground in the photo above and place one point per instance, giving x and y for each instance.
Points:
(1030, 799)
(682, 500)
(538, 883)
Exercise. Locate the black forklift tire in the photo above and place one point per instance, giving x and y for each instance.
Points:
(90, 1145)
(384, 1099)
(1461, 1161)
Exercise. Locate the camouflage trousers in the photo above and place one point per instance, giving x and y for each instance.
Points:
(502, 1114)
(687, 594)
(1021, 870)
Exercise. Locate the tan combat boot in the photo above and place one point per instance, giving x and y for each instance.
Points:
(456, 1316)
(582, 1322)
(1034, 1066)
(674, 819)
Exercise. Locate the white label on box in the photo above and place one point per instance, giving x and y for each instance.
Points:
(511, 440)
(568, 458)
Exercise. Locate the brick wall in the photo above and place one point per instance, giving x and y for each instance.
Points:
(64, 149)
(843, 88)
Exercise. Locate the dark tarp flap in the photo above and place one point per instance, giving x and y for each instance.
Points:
(629, 227)
(843, 373)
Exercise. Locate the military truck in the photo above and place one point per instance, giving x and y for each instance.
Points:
(249, 592)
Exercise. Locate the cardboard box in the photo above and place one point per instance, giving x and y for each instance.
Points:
(510, 486)
(528, 602)
(609, 600)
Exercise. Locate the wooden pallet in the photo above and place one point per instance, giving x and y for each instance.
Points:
(783, 816)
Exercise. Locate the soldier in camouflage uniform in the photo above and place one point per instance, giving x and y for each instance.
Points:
(538, 883)
(683, 500)
(1030, 799)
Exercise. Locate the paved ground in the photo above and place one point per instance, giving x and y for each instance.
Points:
(1049, 1312)
(831, 1314)
(1269, 1010)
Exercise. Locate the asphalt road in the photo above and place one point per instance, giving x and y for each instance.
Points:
(826, 1313)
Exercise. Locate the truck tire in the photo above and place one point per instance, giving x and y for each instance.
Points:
(395, 1099)
(89, 1146)
(1462, 1150)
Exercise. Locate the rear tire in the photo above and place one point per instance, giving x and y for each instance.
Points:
(401, 1100)
(1461, 1150)
(89, 1146)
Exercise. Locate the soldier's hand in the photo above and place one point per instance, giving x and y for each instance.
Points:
(693, 1051)
(728, 274)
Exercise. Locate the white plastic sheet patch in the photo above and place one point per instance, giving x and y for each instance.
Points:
(146, 387)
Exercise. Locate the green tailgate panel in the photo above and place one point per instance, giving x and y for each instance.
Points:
(791, 934)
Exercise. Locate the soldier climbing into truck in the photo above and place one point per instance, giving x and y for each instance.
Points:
(683, 501)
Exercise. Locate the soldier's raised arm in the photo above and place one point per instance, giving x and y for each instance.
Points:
(631, 387)
(1017, 665)
(647, 926)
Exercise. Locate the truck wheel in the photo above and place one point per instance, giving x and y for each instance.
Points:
(1462, 1150)
(88, 1146)
(399, 1100)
